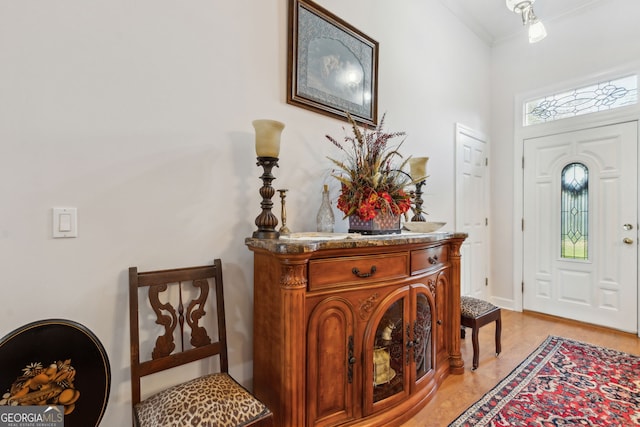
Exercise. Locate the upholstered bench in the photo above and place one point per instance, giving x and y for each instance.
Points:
(476, 313)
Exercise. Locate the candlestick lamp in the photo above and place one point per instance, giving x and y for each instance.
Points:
(268, 149)
(418, 168)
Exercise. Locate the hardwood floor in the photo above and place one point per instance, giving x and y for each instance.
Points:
(521, 334)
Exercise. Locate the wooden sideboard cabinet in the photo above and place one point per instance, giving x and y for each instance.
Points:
(355, 331)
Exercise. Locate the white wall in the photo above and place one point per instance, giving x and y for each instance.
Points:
(139, 114)
(600, 39)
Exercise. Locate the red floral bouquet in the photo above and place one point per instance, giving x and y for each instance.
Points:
(370, 181)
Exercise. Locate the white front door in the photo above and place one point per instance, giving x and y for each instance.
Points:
(580, 225)
(471, 209)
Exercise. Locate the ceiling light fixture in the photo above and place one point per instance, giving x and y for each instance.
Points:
(524, 8)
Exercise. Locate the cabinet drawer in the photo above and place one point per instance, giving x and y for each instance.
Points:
(428, 259)
(336, 272)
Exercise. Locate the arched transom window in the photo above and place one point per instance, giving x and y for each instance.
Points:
(602, 96)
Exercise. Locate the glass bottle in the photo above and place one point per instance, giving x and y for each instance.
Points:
(325, 219)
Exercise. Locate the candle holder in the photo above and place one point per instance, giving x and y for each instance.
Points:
(283, 212)
(417, 210)
(266, 221)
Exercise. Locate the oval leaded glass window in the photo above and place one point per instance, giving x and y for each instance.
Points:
(574, 207)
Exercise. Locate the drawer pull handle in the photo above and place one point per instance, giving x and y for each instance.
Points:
(364, 275)
(433, 259)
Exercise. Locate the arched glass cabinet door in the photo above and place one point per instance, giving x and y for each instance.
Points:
(422, 335)
(389, 353)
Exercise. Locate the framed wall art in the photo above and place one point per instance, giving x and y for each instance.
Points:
(332, 67)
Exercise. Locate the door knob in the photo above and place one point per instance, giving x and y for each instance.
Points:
(627, 240)
(628, 227)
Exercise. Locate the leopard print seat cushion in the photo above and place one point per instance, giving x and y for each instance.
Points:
(473, 307)
(215, 400)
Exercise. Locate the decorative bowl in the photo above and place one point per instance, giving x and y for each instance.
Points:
(423, 227)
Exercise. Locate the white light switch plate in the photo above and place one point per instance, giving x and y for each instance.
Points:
(65, 222)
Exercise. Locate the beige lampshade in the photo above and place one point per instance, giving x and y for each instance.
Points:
(418, 168)
(268, 137)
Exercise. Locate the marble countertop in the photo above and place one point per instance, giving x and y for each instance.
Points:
(312, 241)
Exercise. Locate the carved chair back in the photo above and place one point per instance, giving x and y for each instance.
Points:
(169, 352)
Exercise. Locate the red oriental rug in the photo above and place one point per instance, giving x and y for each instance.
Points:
(563, 383)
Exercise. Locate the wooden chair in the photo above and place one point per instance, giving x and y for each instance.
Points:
(213, 400)
(475, 313)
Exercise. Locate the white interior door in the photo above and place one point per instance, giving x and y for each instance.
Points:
(594, 279)
(471, 209)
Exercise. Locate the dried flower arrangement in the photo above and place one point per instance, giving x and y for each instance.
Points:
(371, 183)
